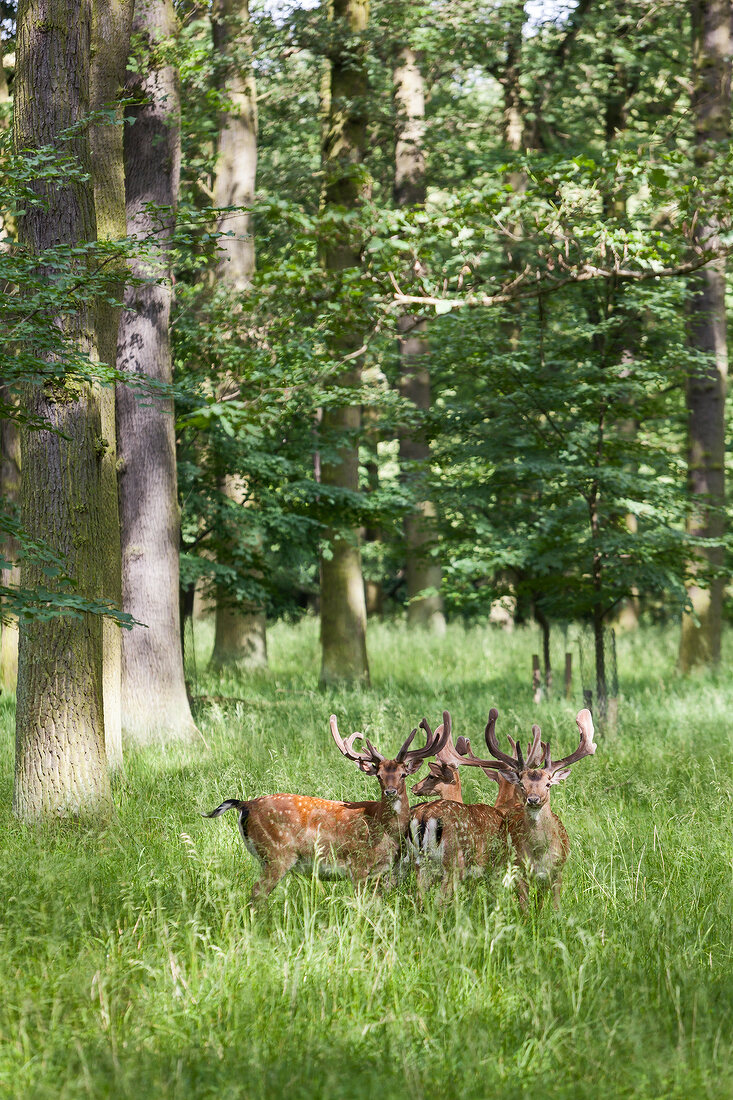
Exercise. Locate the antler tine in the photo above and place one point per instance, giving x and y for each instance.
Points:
(493, 746)
(586, 747)
(532, 748)
(490, 767)
(434, 741)
(402, 754)
(376, 755)
(447, 754)
(346, 745)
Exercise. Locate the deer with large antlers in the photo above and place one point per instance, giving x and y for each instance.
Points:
(461, 840)
(287, 832)
(537, 835)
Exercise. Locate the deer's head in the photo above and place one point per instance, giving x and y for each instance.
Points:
(531, 779)
(392, 774)
(443, 779)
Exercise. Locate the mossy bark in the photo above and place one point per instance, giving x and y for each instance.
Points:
(343, 605)
(240, 632)
(155, 705)
(60, 766)
(706, 386)
(423, 572)
(111, 27)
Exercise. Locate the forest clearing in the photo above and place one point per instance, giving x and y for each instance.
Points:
(365, 549)
(132, 966)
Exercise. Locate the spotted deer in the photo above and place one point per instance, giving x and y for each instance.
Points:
(290, 832)
(447, 834)
(536, 834)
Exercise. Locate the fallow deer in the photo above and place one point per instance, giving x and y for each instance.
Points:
(295, 832)
(537, 835)
(460, 839)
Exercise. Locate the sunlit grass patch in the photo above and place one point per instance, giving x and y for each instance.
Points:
(131, 964)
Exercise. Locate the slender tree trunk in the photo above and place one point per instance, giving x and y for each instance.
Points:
(111, 26)
(240, 636)
(10, 493)
(706, 386)
(422, 569)
(60, 766)
(343, 608)
(154, 702)
(371, 534)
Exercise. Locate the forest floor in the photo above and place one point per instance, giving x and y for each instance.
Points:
(132, 967)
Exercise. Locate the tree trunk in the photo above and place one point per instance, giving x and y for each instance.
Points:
(343, 607)
(10, 493)
(111, 26)
(9, 482)
(706, 386)
(240, 635)
(60, 766)
(422, 570)
(154, 701)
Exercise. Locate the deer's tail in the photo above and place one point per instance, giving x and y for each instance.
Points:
(230, 804)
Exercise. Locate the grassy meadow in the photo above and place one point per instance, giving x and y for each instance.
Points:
(132, 967)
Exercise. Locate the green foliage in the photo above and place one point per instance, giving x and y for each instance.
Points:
(131, 966)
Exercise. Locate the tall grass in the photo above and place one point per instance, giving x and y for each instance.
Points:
(132, 967)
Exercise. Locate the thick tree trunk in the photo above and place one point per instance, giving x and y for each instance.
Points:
(343, 607)
(61, 766)
(154, 702)
(240, 635)
(9, 483)
(701, 631)
(422, 569)
(111, 26)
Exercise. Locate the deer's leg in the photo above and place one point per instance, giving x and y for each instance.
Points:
(272, 872)
(556, 887)
(523, 894)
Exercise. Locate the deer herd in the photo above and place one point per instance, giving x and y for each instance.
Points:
(444, 838)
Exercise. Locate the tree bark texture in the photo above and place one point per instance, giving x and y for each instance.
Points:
(154, 702)
(9, 480)
(240, 636)
(236, 163)
(705, 392)
(10, 493)
(60, 767)
(111, 27)
(343, 606)
(4, 97)
(423, 572)
(240, 633)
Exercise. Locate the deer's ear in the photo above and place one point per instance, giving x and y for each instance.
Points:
(367, 767)
(511, 777)
(411, 765)
(558, 777)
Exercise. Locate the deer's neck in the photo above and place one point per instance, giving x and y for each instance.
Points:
(452, 792)
(394, 814)
(539, 825)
